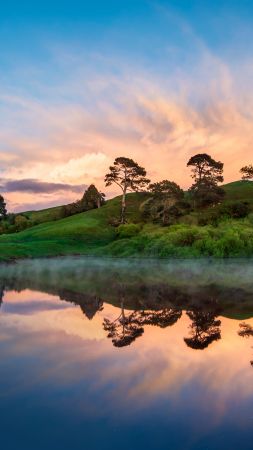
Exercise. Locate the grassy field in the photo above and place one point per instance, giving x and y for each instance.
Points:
(91, 233)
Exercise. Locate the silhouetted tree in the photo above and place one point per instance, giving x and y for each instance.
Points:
(206, 173)
(89, 304)
(161, 318)
(129, 176)
(92, 198)
(247, 172)
(123, 330)
(246, 330)
(3, 210)
(1, 294)
(205, 329)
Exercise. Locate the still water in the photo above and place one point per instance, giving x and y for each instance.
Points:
(107, 354)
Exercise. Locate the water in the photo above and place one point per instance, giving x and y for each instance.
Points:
(102, 354)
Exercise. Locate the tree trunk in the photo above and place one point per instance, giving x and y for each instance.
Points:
(123, 208)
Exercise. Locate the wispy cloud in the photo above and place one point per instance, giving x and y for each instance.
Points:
(67, 132)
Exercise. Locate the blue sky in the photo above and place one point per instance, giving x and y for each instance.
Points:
(82, 81)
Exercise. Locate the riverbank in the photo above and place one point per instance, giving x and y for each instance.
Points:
(229, 239)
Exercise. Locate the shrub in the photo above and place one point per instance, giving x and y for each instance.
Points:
(128, 230)
(21, 222)
(235, 210)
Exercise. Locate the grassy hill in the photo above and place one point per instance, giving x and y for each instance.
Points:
(239, 190)
(91, 233)
(78, 234)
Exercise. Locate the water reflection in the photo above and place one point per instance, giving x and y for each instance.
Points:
(92, 352)
(246, 330)
(145, 295)
(1, 294)
(89, 304)
(205, 329)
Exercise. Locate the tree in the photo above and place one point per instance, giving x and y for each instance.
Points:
(123, 330)
(2, 288)
(165, 195)
(92, 198)
(3, 210)
(206, 173)
(247, 172)
(205, 329)
(246, 330)
(206, 193)
(162, 318)
(129, 176)
(21, 222)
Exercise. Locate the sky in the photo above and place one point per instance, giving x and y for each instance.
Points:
(84, 82)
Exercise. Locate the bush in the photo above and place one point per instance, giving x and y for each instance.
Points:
(235, 210)
(128, 230)
(21, 222)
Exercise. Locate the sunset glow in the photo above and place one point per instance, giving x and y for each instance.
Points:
(156, 82)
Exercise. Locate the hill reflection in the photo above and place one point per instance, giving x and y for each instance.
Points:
(144, 294)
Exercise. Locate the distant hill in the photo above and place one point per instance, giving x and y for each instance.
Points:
(91, 232)
(239, 190)
(77, 234)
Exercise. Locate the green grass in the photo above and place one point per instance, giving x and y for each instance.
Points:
(90, 233)
(79, 234)
(239, 190)
(45, 215)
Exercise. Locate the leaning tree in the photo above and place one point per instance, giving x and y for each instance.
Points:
(206, 173)
(3, 210)
(129, 176)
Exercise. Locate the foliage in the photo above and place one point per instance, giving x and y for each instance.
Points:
(128, 230)
(90, 233)
(21, 222)
(164, 206)
(3, 210)
(204, 167)
(206, 173)
(92, 198)
(247, 172)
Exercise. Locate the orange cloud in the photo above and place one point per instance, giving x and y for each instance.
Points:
(145, 120)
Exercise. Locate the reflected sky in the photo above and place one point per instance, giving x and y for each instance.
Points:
(65, 385)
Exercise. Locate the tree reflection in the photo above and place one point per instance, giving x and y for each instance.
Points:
(162, 318)
(89, 304)
(123, 330)
(2, 288)
(246, 330)
(127, 327)
(205, 329)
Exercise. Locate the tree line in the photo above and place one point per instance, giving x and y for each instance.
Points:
(167, 200)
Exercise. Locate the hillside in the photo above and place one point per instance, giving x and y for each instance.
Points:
(77, 234)
(239, 190)
(91, 233)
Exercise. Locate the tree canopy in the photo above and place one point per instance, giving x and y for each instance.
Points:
(247, 172)
(92, 198)
(164, 205)
(206, 173)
